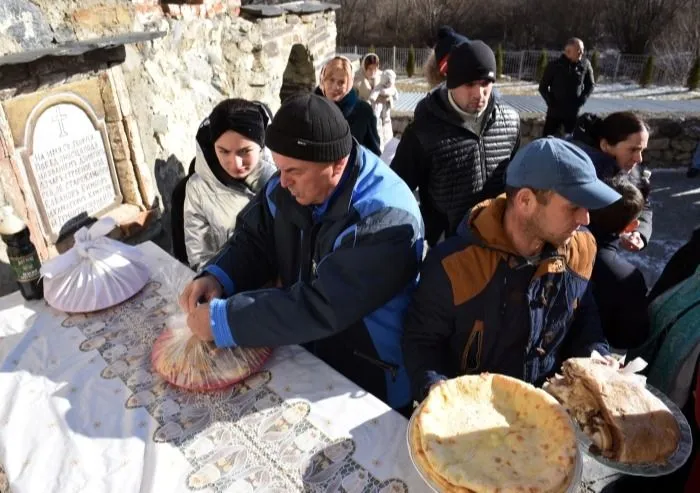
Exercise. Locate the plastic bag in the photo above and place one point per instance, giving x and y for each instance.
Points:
(187, 362)
(97, 273)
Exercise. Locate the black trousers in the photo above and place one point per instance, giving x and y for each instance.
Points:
(556, 120)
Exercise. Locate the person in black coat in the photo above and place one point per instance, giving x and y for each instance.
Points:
(461, 139)
(619, 288)
(682, 265)
(615, 145)
(336, 84)
(566, 84)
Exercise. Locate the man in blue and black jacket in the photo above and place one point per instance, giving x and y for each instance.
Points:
(341, 237)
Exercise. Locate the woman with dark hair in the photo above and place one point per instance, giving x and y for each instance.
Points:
(615, 145)
(231, 166)
(336, 85)
(368, 76)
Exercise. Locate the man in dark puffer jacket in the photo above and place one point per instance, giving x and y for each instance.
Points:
(461, 139)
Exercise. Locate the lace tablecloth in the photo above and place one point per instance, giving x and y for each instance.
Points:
(81, 411)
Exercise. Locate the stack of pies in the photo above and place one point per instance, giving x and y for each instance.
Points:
(625, 421)
(488, 433)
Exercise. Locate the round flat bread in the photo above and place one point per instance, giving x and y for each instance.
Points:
(421, 460)
(491, 433)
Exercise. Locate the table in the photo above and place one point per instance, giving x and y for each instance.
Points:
(83, 412)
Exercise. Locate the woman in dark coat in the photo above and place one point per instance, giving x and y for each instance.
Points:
(336, 85)
(615, 145)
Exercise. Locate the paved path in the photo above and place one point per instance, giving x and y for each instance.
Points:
(534, 104)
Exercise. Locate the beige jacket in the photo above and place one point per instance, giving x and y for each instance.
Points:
(211, 207)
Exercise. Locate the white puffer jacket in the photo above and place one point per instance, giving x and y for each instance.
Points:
(211, 208)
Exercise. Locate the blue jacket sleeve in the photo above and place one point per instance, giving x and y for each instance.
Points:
(586, 333)
(247, 260)
(428, 325)
(363, 273)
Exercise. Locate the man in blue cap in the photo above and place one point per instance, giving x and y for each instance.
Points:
(512, 295)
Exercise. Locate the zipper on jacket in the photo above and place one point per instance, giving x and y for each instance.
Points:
(482, 156)
(393, 369)
(301, 249)
(476, 336)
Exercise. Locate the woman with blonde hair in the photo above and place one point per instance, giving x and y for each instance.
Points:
(336, 85)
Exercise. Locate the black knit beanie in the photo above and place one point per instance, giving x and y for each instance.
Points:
(470, 62)
(310, 128)
(248, 118)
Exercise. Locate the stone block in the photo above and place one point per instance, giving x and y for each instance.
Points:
(660, 143)
(245, 46)
(293, 19)
(138, 160)
(684, 145)
(102, 19)
(118, 141)
(683, 157)
(6, 147)
(668, 128)
(113, 112)
(271, 49)
(116, 77)
(650, 156)
(667, 156)
(127, 181)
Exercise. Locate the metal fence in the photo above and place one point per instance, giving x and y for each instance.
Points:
(670, 69)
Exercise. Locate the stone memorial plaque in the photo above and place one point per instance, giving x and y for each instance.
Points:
(69, 167)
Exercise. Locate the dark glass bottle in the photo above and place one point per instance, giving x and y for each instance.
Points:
(22, 254)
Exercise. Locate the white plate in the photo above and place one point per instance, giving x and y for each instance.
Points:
(676, 460)
(572, 488)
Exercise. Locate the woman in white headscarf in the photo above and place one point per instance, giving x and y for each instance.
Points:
(368, 76)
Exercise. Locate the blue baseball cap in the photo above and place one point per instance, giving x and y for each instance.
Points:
(555, 164)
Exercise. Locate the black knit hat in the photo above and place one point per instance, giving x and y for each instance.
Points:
(310, 128)
(470, 62)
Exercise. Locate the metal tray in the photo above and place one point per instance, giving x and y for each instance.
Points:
(675, 461)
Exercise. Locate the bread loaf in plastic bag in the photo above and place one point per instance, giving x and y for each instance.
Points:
(187, 362)
(96, 273)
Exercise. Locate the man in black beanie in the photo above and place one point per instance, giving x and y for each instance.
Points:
(341, 237)
(460, 141)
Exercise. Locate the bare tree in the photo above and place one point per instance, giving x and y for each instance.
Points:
(636, 24)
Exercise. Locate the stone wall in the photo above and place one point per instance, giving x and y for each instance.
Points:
(671, 144)
(161, 66)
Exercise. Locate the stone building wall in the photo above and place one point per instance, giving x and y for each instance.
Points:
(671, 144)
(159, 68)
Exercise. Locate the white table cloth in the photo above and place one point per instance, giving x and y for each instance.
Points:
(81, 411)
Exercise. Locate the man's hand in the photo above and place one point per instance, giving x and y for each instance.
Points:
(632, 242)
(199, 322)
(201, 290)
